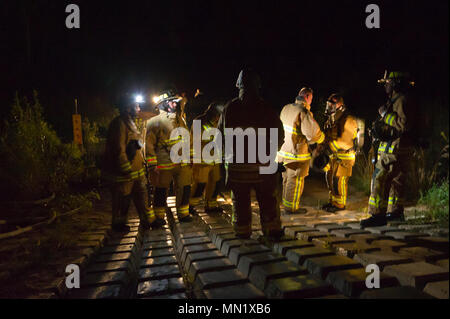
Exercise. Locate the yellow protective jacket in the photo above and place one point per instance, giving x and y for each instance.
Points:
(341, 137)
(399, 117)
(300, 129)
(117, 166)
(158, 142)
(206, 125)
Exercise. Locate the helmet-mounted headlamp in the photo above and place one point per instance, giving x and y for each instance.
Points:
(396, 77)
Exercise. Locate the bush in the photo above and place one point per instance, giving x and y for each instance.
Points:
(363, 172)
(422, 174)
(33, 161)
(437, 201)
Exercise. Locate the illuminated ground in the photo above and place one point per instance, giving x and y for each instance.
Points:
(322, 256)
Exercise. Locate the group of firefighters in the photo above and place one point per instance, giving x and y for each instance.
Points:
(139, 144)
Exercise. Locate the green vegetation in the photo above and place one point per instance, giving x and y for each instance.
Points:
(436, 199)
(33, 161)
(363, 171)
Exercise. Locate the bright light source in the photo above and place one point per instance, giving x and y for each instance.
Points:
(156, 99)
(139, 99)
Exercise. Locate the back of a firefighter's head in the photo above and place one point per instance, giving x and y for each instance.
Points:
(128, 105)
(306, 94)
(248, 80)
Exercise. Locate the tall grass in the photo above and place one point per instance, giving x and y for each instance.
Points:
(363, 171)
(422, 173)
(437, 201)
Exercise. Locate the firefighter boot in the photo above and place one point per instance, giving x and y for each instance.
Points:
(298, 211)
(119, 220)
(396, 215)
(185, 219)
(374, 221)
(120, 228)
(158, 223)
(183, 204)
(333, 209)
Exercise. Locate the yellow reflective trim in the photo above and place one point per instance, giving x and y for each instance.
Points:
(125, 167)
(298, 157)
(291, 130)
(321, 138)
(346, 156)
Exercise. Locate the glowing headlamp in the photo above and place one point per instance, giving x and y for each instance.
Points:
(139, 99)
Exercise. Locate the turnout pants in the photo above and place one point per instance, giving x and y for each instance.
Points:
(205, 179)
(123, 193)
(387, 191)
(293, 184)
(269, 208)
(182, 177)
(337, 174)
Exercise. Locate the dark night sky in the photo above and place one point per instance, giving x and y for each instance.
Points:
(146, 45)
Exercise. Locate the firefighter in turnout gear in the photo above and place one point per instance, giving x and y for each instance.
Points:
(300, 130)
(158, 156)
(246, 112)
(394, 130)
(147, 112)
(123, 168)
(206, 175)
(341, 134)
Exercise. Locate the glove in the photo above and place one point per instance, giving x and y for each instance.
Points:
(281, 168)
(383, 132)
(382, 110)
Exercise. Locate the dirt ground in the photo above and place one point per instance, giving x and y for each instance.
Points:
(31, 264)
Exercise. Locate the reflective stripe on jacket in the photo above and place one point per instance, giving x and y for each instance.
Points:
(158, 141)
(399, 116)
(344, 131)
(300, 129)
(116, 164)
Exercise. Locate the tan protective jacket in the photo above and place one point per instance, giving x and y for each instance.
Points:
(398, 116)
(205, 126)
(158, 142)
(117, 167)
(341, 137)
(300, 129)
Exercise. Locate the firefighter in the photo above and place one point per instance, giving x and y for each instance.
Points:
(341, 135)
(124, 168)
(250, 111)
(300, 130)
(158, 156)
(206, 175)
(147, 112)
(394, 130)
(196, 106)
